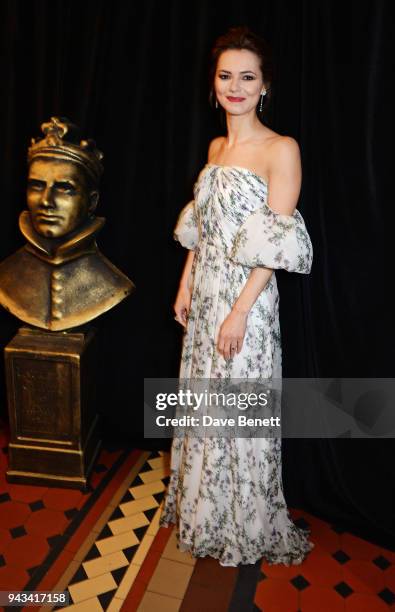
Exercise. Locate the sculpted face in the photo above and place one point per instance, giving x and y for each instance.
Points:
(238, 81)
(58, 197)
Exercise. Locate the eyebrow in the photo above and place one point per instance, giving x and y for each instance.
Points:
(241, 71)
(62, 180)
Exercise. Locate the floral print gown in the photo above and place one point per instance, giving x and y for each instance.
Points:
(225, 495)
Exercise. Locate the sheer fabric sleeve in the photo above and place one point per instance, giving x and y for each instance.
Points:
(186, 231)
(270, 240)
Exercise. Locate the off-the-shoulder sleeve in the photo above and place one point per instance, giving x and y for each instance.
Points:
(186, 230)
(275, 241)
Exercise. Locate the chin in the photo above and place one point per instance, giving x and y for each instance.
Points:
(236, 113)
(232, 110)
(49, 232)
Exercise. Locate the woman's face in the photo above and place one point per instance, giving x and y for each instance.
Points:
(238, 81)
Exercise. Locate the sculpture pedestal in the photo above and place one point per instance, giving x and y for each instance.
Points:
(51, 403)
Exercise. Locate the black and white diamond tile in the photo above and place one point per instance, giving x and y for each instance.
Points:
(109, 568)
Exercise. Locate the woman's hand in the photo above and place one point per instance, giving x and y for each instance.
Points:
(231, 334)
(182, 305)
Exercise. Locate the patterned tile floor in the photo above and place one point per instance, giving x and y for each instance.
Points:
(106, 548)
(123, 535)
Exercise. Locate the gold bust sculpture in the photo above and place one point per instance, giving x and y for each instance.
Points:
(59, 279)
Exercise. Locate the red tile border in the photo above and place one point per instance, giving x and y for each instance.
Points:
(161, 538)
(134, 597)
(147, 569)
(148, 566)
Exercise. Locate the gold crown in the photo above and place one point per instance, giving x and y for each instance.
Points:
(61, 140)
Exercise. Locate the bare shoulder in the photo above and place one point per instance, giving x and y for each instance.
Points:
(214, 146)
(284, 155)
(284, 174)
(284, 148)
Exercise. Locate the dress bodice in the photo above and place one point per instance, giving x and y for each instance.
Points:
(224, 197)
(230, 212)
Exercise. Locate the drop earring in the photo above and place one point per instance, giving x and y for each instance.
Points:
(263, 93)
(216, 103)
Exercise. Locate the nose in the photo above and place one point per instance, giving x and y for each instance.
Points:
(47, 197)
(234, 85)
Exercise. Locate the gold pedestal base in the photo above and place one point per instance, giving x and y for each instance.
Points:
(51, 402)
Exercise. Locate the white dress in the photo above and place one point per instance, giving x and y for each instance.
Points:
(225, 495)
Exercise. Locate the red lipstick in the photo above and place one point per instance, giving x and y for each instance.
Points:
(233, 99)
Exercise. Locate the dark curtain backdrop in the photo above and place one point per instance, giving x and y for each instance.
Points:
(133, 75)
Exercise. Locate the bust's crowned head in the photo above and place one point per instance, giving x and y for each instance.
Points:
(64, 175)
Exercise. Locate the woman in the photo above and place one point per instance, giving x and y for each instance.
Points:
(225, 494)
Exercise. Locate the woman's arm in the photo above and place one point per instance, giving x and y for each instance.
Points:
(285, 181)
(285, 176)
(256, 282)
(184, 294)
(232, 330)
